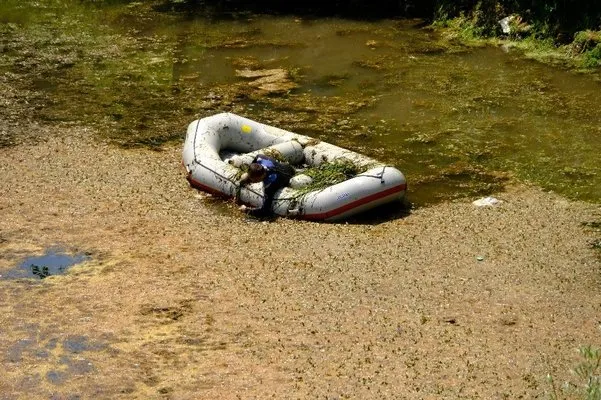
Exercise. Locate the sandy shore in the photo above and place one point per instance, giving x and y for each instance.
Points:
(186, 299)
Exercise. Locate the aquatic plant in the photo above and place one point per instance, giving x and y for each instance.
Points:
(40, 271)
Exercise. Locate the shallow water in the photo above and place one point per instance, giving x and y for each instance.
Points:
(457, 121)
(52, 262)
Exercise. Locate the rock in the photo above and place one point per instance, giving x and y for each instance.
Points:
(259, 73)
(275, 80)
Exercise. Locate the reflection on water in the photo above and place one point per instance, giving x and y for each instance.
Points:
(456, 121)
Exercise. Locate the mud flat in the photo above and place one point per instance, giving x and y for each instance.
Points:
(183, 298)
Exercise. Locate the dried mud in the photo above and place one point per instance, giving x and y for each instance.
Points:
(183, 299)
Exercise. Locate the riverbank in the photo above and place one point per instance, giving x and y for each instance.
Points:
(580, 54)
(184, 298)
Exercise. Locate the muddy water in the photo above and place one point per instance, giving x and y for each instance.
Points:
(457, 121)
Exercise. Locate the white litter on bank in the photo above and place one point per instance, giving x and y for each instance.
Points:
(487, 202)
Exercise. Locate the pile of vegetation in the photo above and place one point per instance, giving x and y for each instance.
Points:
(328, 174)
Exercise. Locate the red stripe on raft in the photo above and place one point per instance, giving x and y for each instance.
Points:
(356, 203)
(320, 216)
(194, 183)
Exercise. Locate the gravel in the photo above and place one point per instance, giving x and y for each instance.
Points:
(186, 298)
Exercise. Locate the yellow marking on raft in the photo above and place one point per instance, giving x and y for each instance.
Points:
(246, 129)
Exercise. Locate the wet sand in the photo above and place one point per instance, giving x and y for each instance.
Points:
(184, 298)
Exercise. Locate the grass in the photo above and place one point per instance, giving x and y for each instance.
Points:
(588, 378)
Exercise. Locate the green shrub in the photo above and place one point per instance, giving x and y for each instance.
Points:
(586, 40)
(592, 58)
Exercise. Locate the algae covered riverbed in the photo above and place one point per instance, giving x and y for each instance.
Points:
(181, 297)
(457, 121)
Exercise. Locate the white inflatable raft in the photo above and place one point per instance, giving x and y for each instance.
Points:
(217, 147)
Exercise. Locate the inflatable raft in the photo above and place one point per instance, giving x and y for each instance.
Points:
(218, 148)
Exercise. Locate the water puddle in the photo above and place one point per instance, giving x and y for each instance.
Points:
(53, 262)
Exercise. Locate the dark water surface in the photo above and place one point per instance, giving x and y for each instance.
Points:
(456, 121)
